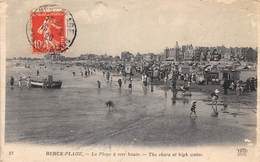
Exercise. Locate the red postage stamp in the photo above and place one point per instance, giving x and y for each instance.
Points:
(51, 30)
(48, 32)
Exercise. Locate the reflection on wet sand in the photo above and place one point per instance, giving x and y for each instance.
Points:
(77, 114)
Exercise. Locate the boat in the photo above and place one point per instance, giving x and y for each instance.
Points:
(47, 83)
(41, 84)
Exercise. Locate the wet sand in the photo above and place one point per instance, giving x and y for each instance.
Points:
(76, 114)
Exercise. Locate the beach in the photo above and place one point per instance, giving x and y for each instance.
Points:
(76, 114)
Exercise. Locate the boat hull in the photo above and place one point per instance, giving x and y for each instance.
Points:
(52, 85)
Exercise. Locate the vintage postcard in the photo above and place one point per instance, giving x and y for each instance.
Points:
(129, 80)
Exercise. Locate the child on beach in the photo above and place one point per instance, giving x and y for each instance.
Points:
(193, 108)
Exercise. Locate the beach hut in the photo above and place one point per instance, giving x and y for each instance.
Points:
(230, 75)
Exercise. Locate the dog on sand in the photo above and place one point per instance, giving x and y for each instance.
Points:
(110, 104)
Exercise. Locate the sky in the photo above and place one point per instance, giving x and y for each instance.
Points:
(113, 26)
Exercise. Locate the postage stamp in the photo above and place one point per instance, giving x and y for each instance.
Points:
(51, 29)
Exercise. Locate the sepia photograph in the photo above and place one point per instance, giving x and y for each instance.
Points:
(152, 74)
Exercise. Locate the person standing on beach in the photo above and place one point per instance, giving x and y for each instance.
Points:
(99, 84)
(253, 84)
(130, 86)
(107, 76)
(232, 86)
(248, 84)
(29, 82)
(20, 82)
(193, 109)
(38, 73)
(238, 89)
(12, 82)
(120, 83)
(214, 99)
(144, 79)
(111, 81)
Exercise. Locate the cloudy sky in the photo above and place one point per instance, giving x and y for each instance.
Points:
(113, 26)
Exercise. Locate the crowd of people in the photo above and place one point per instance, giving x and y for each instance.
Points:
(239, 86)
(186, 81)
(20, 81)
(109, 80)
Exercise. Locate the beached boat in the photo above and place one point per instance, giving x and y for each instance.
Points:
(48, 83)
(41, 84)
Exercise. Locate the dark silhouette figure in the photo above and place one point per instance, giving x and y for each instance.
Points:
(193, 108)
(120, 83)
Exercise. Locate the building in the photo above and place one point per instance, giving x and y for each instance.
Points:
(178, 52)
(250, 55)
(170, 54)
(227, 54)
(149, 57)
(188, 52)
(215, 55)
(197, 54)
(126, 56)
(88, 57)
(236, 53)
(138, 57)
(173, 54)
(221, 50)
(231, 75)
(54, 57)
(116, 58)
